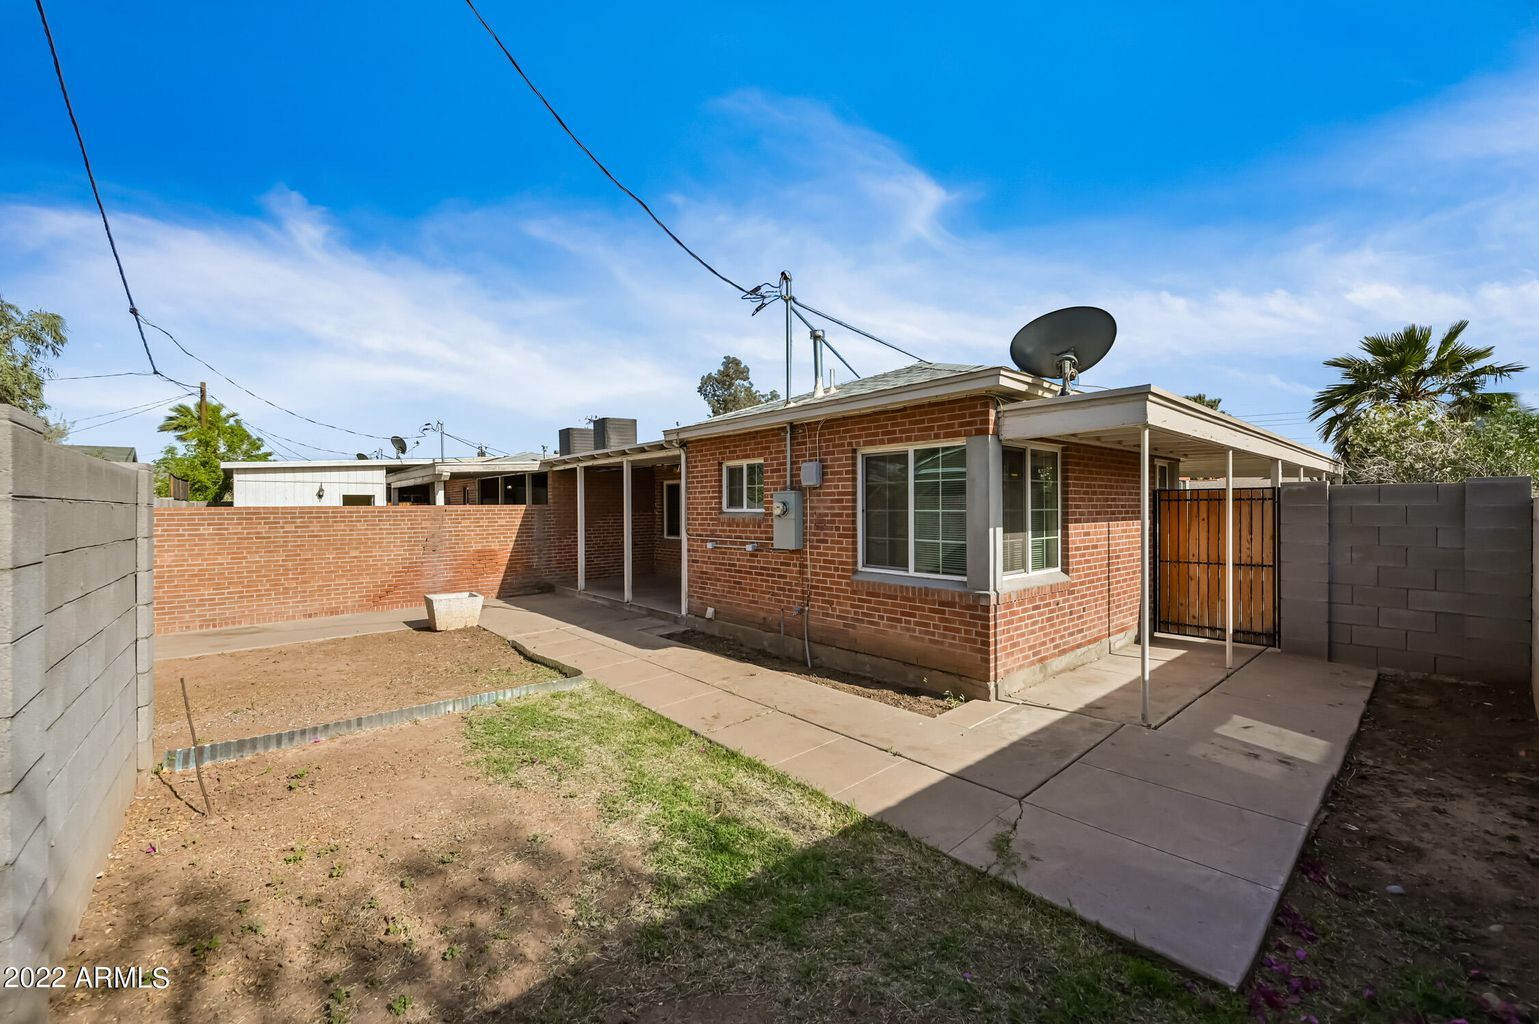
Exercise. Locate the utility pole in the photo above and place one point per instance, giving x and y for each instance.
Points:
(203, 404)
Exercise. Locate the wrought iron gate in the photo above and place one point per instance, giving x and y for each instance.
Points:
(1188, 563)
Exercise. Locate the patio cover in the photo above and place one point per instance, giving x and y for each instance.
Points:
(1159, 424)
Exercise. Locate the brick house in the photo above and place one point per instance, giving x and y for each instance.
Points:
(959, 528)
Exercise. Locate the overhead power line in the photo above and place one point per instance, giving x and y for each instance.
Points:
(589, 153)
(259, 398)
(137, 411)
(101, 208)
(140, 322)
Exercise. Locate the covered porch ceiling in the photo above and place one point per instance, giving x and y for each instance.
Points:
(1201, 438)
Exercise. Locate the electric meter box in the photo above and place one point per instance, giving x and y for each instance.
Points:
(786, 514)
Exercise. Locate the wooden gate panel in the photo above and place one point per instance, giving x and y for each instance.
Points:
(1188, 577)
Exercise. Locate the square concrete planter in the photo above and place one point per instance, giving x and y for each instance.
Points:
(452, 611)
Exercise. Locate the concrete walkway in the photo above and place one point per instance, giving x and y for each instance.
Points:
(1179, 839)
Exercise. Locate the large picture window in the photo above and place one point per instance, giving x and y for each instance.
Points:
(1033, 506)
(742, 487)
(913, 512)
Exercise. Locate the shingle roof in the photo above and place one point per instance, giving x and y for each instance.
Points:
(917, 373)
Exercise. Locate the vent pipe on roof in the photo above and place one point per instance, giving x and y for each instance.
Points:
(817, 362)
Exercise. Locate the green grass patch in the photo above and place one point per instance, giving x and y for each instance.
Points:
(762, 889)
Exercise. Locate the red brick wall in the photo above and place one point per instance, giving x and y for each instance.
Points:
(940, 629)
(235, 566)
(1101, 597)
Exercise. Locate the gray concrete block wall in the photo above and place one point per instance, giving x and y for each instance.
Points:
(76, 683)
(1433, 578)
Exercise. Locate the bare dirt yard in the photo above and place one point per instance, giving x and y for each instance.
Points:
(904, 697)
(575, 857)
(269, 689)
(1417, 897)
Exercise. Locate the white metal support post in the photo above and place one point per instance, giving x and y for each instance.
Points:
(582, 534)
(1229, 558)
(1277, 472)
(625, 474)
(1143, 572)
(683, 531)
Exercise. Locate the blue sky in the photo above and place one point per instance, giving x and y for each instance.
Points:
(367, 218)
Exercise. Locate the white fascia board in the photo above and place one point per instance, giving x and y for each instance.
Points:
(1147, 405)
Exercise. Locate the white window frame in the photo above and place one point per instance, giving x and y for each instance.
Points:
(860, 508)
(675, 484)
(726, 494)
(1063, 547)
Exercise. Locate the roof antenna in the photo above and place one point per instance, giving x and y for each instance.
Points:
(785, 295)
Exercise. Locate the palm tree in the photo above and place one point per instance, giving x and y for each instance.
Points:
(183, 420)
(1201, 398)
(1406, 368)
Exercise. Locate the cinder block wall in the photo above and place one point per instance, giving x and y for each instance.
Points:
(1432, 578)
(76, 689)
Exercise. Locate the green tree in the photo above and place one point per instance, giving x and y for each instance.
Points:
(1427, 442)
(730, 388)
(1407, 369)
(1202, 399)
(223, 438)
(27, 341)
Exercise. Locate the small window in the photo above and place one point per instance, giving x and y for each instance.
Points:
(357, 499)
(1033, 507)
(742, 487)
(671, 509)
(539, 489)
(515, 489)
(490, 490)
(913, 512)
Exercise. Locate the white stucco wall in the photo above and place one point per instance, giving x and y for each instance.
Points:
(297, 486)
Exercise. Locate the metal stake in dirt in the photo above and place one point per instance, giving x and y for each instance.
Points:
(197, 766)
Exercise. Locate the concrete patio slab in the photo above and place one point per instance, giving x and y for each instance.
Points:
(1210, 921)
(1229, 771)
(623, 674)
(1318, 734)
(929, 805)
(835, 767)
(1302, 682)
(277, 634)
(660, 691)
(974, 712)
(1012, 753)
(1256, 847)
(773, 737)
(714, 710)
(1181, 670)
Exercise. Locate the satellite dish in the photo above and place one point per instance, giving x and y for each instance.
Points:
(1064, 343)
(360, 456)
(399, 444)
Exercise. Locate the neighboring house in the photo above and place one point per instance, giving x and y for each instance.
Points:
(955, 527)
(107, 452)
(477, 480)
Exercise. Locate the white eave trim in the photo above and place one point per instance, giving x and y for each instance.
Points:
(609, 456)
(1147, 405)
(989, 379)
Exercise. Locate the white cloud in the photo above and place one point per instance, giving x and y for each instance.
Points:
(508, 321)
